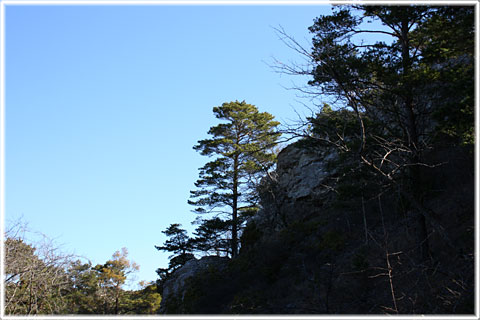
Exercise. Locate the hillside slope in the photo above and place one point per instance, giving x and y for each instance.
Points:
(316, 249)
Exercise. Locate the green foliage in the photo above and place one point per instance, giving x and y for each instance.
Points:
(208, 236)
(448, 40)
(83, 297)
(338, 127)
(99, 289)
(39, 280)
(144, 301)
(180, 245)
(112, 276)
(243, 150)
(400, 86)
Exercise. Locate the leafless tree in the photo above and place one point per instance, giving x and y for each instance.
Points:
(35, 272)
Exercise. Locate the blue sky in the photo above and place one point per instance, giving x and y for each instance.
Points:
(104, 105)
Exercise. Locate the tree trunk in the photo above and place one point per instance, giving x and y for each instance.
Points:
(412, 140)
(234, 207)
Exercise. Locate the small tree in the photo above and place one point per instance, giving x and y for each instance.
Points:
(113, 275)
(243, 147)
(35, 273)
(83, 295)
(181, 247)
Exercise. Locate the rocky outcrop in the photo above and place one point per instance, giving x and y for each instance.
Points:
(319, 245)
(298, 186)
(176, 286)
(302, 172)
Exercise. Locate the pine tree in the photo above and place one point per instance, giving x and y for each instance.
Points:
(180, 245)
(112, 275)
(243, 148)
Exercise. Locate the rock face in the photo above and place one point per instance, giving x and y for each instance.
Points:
(297, 188)
(301, 172)
(176, 286)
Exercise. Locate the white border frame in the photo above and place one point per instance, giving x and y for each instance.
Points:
(2, 157)
(4, 3)
(233, 2)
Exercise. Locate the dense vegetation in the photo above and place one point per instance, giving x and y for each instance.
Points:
(403, 94)
(384, 225)
(39, 279)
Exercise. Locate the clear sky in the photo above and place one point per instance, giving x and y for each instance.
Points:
(104, 105)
